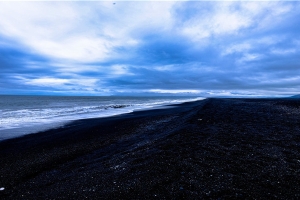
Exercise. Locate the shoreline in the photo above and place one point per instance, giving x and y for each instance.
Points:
(108, 110)
(212, 148)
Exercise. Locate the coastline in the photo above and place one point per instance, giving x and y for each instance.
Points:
(213, 148)
(29, 115)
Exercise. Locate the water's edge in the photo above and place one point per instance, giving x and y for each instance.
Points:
(44, 123)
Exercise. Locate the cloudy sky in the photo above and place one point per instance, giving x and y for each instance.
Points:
(138, 48)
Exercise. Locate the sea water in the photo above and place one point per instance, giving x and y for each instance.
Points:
(20, 115)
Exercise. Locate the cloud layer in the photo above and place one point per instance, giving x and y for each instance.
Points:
(138, 48)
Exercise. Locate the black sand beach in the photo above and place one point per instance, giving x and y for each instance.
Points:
(210, 149)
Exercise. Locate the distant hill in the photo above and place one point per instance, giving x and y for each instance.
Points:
(296, 96)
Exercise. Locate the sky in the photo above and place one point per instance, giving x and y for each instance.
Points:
(201, 48)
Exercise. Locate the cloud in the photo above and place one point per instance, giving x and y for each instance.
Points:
(78, 31)
(47, 81)
(103, 48)
(175, 91)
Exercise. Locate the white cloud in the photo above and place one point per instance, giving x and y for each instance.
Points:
(276, 12)
(166, 68)
(222, 20)
(175, 91)
(46, 81)
(283, 51)
(232, 17)
(80, 48)
(249, 57)
(45, 27)
(237, 48)
(251, 45)
(119, 70)
(90, 31)
(80, 31)
(59, 83)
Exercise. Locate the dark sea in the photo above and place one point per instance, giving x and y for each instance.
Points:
(20, 115)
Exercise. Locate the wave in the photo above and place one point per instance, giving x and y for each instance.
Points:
(29, 117)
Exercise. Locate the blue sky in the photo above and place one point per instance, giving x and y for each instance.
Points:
(150, 48)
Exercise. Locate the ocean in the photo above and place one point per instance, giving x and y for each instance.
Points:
(21, 115)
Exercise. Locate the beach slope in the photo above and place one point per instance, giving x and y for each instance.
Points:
(214, 148)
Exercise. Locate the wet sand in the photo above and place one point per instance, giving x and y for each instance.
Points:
(210, 149)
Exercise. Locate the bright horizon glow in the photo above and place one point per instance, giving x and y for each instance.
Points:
(197, 48)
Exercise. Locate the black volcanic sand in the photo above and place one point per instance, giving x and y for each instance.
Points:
(210, 149)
